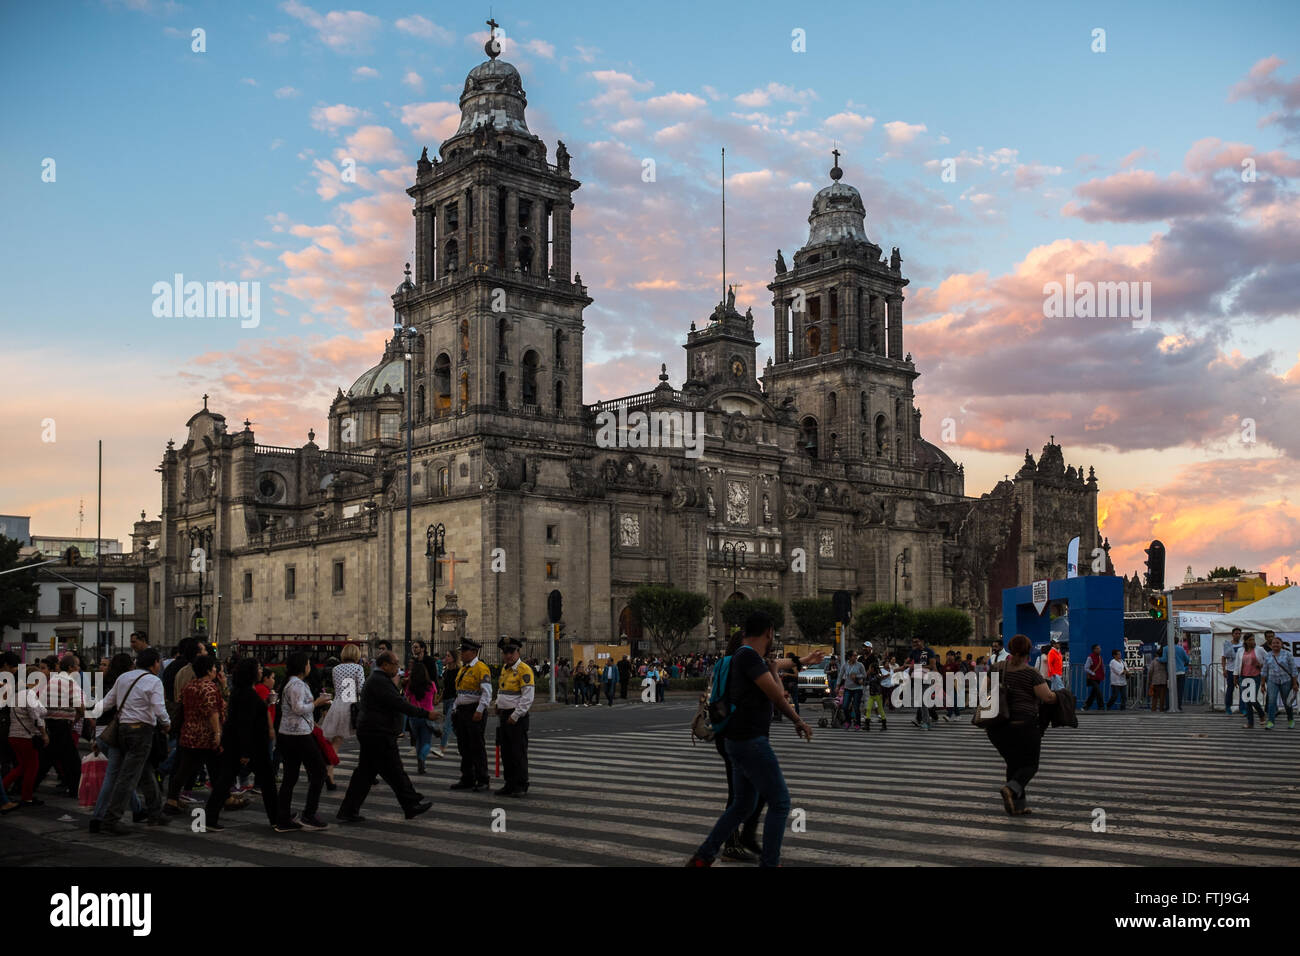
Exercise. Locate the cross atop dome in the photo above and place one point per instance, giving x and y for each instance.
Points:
(836, 172)
(493, 46)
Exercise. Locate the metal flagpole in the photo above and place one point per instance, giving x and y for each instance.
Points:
(724, 227)
(99, 549)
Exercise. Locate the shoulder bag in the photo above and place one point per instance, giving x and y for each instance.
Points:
(110, 735)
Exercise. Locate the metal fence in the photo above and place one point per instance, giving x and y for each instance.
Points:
(1198, 687)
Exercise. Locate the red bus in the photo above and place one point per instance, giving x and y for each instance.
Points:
(273, 649)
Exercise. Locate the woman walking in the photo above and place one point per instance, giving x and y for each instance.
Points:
(119, 665)
(245, 744)
(1020, 739)
(420, 692)
(200, 742)
(347, 677)
(298, 748)
(26, 726)
(1249, 666)
(447, 690)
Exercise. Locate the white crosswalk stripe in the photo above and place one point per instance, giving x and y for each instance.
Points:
(1189, 789)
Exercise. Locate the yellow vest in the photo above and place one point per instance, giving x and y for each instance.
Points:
(515, 679)
(469, 679)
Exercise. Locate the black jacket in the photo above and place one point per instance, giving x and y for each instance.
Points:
(1059, 714)
(246, 731)
(382, 706)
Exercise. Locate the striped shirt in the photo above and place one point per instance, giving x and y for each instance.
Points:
(1279, 669)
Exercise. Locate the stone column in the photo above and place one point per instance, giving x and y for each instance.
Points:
(423, 244)
(512, 231)
(895, 327)
(780, 326)
(563, 249)
(848, 317)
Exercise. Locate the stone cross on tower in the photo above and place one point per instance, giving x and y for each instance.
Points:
(452, 561)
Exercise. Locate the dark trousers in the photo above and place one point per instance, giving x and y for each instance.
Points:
(1019, 742)
(62, 754)
(187, 764)
(748, 830)
(379, 757)
(622, 684)
(136, 744)
(230, 767)
(300, 750)
(1227, 691)
(1094, 693)
(470, 741)
(514, 751)
(609, 692)
(755, 775)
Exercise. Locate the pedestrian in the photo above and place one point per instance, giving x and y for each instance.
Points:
(298, 748)
(876, 677)
(752, 692)
(139, 642)
(562, 681)
(742, 845)
(473, 696)
(1019, 740)
(447, 691)
(853, 681)
(1118, 680)
(420, 693)
(379, 724)
(118, 665)
(624, 675)
(924, 715)
(204, 710)
(65, 705)
(610, 680)
(1229, 661)
(1248, 666)
(26, 734)
(579, 684)
(1095, 672)
(1158, 681)
(1280, 676)
(1179, 670)
(245, 745)
(514, 700)
(952, 666)
(138, 699)
(997, 654)
(347, 677)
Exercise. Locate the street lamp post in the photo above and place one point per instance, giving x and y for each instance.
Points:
(201, 538)
(434, 537)
(406, 335)
(83, 630)
(902, 558)
(733, 553)
(122, 626)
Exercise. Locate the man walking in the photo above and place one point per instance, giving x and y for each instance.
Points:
(752, 692)
(1279, 673)
(138, 699)
(1229, 661)
(514, 700)
(1118, 680)
(1055, 667)
(473, 695)
(1095, 672)
(853, 681)
(610, 680)
(379, 724)
(65, 703)
(624, 675)
(1179, 671)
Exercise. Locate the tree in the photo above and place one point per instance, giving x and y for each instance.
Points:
(815, 618)
(943, 626)
(18, 591)
(883, 622)
(668, 614)
(735, 611)
(1222, 572)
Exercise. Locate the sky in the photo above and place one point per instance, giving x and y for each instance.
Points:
(1001, 147)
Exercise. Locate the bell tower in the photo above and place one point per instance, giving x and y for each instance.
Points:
(494, 297)
(838, 336)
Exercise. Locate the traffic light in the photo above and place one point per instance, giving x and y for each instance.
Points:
(1156, 566)
(839, 636)
(71, 556)
(1158, 607)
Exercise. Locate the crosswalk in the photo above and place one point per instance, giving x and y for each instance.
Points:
(1121, 790)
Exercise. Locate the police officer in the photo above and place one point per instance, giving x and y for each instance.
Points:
(473, 695)
(514, 700)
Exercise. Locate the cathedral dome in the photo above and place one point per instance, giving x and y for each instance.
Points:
(389, 372)
(493, 96)
(837, 214)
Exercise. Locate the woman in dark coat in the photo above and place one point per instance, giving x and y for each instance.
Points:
(246, 744)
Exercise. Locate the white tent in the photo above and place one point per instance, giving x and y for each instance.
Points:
(1278, 612)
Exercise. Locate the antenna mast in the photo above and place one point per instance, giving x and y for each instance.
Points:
(724, 225)
(81, 515)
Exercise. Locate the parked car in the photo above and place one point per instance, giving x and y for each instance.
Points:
(813, 683)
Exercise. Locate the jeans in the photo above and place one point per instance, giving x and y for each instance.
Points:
(1057, 683)
(423, 730)
(1094, 693)
(114, 767)
(61, 753)
(1278, 696)
(446, 722)
(1122, 691)
(609, 692)
(1249, 696)
(136, 743)
(749, 829)
(755, 773)
(853, 706)
(1227, 692)
(1179, 680)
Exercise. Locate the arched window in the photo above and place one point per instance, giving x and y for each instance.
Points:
(464, 340)
(882, 437)
(419, 403)
(809, 445)
(442, 385)
(863, 405)
(831, 406)
(528, 383)
(814, 338)
(525, 255)
(444, 481)
(464, 391)
(501, 391)
(559, 348)
(451, 257)
(559, 398)
(503, 329)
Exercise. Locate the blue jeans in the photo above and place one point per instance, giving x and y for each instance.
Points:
(1250, 689)
(1120, 690)
(755, 772)
(446, 722)
(423, 736)
(134, 771)
(115, 755)
(853, 706)
(1227, 692)
(1277, 697)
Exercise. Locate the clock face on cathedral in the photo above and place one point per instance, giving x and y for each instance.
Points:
(737, 368)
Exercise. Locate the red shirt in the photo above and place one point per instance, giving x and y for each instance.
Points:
(264, 692)
(1054, 667)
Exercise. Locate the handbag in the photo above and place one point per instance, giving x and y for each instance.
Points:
(93, 769)
(110, 736)
(987, 719)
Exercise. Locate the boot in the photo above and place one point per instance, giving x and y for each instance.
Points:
(419, 765)
(884, 725)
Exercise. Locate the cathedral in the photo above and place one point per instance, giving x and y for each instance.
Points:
(811, 475)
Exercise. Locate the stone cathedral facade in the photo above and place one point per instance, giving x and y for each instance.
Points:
(815, 463)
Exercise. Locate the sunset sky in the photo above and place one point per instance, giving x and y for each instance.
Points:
(1122, 165)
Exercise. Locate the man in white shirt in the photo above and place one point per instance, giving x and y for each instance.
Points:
(1230, 668)
(1118, 680)
(997, 653)
(138, 698)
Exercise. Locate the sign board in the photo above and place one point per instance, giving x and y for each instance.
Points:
(1040, 596)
